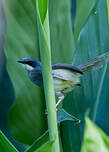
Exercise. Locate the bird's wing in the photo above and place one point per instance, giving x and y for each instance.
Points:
(65, 72)
(66, 67)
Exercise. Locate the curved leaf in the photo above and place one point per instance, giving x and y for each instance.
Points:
(94, 138)
(39, 142)
(42, 6)
(47, 147)
(62, 41)
(84, 8)
(93, 41)
(5, 144)
(64, 115)
(27, 117)
(45, 51)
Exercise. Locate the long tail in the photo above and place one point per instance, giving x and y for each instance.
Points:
(95, 63)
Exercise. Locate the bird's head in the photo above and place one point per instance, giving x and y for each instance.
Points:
(29, 63)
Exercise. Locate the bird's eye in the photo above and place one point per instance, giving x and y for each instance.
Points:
(31, 63)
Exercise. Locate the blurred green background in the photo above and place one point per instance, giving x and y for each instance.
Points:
(79, 32)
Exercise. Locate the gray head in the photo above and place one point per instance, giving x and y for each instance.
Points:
(30, 63)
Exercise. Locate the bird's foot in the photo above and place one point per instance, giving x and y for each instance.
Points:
(60, 99)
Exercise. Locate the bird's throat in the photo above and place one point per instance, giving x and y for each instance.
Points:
(27, 67)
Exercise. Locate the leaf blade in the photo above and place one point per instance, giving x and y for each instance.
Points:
(5, 144)
(42, 6)
(21, 41)
(94, 138)
(47, 147)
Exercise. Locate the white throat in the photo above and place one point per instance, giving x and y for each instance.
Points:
(27, 67)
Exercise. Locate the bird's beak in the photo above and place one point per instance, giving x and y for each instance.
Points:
(21, 61)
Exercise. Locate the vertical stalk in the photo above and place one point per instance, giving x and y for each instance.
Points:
(45, 51)
(107, 2)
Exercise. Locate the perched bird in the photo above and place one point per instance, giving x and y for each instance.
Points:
(65, 76)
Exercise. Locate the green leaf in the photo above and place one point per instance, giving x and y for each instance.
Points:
(60, 24)
(5, 145)
(64, 115)
(39, 142)
(108, 11)
(27, 119)
(45, 51)
(42, 6)
(84, 9)
(93, 41)
(22, 41)
(47, 147)
(94, 139)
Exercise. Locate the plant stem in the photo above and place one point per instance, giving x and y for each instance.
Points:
(45, 51)
(107, 2)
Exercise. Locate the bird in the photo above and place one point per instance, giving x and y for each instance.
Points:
(65, 76)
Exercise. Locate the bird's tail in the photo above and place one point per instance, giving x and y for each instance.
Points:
(95, 63)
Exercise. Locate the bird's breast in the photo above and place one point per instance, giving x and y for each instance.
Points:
(36, 77)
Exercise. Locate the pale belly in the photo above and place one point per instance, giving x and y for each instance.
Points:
(65, 85)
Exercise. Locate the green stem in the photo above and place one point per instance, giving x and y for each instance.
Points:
(98, 94)
(45, 51)
(107, 1)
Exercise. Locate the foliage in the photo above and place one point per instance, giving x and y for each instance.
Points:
(94, 139)
(108, 11)
(45, 51)
(27, 119)
(84, 9)
(47, 147)
(93, 40)
(5, 145)
(22, 41)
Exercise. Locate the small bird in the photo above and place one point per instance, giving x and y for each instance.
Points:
(65, 76)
